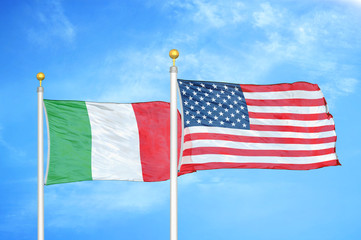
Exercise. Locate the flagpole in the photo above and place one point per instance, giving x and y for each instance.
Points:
(173, 148)
(40, 76)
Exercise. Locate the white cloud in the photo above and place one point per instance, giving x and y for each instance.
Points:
(268, 16)
(135, 76)
(338, 87)
(284, 37)
(52, 24)
(77, 205)
(244, 197)
(215, 14)
(306, 41)
(14, 151)
(352, 2)
(348, 85)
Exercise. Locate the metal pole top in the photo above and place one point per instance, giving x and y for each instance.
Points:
(173, 54)
(40, 76)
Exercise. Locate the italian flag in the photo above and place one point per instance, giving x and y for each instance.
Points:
(108, 141)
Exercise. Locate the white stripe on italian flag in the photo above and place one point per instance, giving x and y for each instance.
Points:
(108, 141)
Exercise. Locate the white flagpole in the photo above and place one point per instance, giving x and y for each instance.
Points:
(40, 76)
(173, 148)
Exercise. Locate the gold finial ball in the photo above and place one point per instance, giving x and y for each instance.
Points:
(40, 76)
(173, 53)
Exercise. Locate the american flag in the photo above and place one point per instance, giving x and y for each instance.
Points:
(281, 126)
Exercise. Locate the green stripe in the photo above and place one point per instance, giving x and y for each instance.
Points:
(70, 142)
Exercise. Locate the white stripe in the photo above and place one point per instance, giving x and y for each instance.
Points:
(297, 94)
(115, 142)
(294, 123)
(208, 158)
(256, 146)
(253, 133)
(287, 109)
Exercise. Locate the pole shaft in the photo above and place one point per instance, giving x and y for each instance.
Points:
(40, 165)
(173, 155)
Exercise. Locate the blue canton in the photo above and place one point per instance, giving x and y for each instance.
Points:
(213, 104)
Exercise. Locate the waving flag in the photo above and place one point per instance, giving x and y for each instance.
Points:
(283, 126)
(108, 141)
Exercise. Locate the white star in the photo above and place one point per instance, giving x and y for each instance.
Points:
(187, 112)
(238, 120)
(243, 116)
(225, 87)
(233, 124)
(218, 95)
(244, 125)
(196, 103)
(227, 118)
(180, 82)
(191, 84)
(204, 117)
(199, 121)
(226, 110)
(198, 112)
(214, 86)
(206, 94)
(229, 97)
(232, 115)
(203, 107)
(235, 102)
(232, 93)
(208, 103)
(192, 107)
(193, 117)
(231, 106)
(239, 98)
(209, 113)
(213, 99)
(188, 122)
(222, 122)
(194, 93)
(203, 85)
(236, 88)
(201, 98)
(199, 89)
(190, 97)
(210, 90)
(220, 113)
(210, 121)
(222, 91)
(187, 87)
(224, 100)
(215, 117)
(185, 103)
(237, 111)
(242, 107)
(220, 104)
(183, 92)
(214, 109)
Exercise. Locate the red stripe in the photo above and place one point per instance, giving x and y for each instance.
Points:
(290, 116)
(235, 138)
(153, 121)
(256, 153)
(292, 128)
(305, 86)
(287, 102)
(217, 165)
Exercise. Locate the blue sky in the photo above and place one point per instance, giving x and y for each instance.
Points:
(118, 51)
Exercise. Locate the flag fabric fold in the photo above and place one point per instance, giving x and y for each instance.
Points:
(108, 141)
(282, 126)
